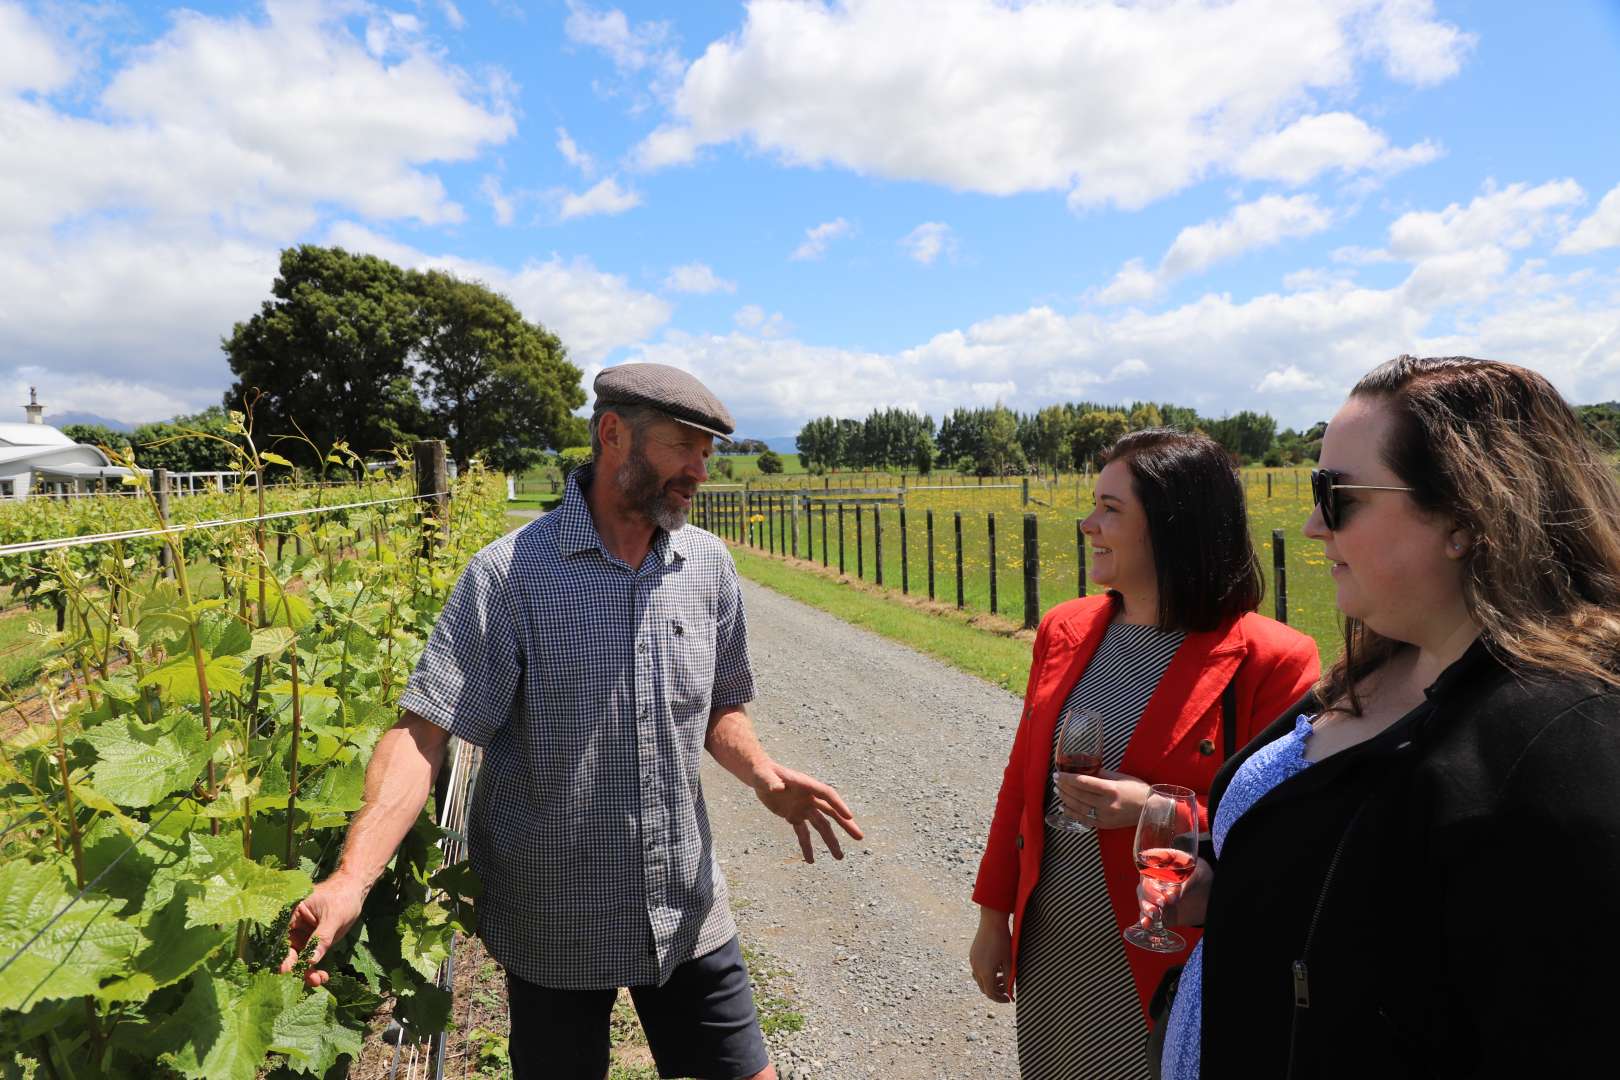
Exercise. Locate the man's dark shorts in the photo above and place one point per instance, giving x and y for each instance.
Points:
(701, 1023)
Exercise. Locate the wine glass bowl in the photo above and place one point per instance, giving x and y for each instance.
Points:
(1079, 752)
(1166, 854)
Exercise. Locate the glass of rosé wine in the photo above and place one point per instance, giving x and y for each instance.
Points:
(1078, 751)
(1166, 854)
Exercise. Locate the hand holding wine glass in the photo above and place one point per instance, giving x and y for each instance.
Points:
(1079, 751)
(1166, 854)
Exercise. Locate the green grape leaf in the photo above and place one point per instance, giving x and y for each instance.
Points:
(237, 888)
(311, 1037)
(426, 933)
(141, 763)
(272, 458)
(86, 945)
(271, 641)
(424, 1009)
(224, 635)
(339, 789)
(178, 677)
(225, 1025)
(172, 951)
(161, 615)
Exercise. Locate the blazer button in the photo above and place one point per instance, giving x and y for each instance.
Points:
(1019, 843)
(1207, 747)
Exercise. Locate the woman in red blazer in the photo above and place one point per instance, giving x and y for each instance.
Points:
(1155, 657)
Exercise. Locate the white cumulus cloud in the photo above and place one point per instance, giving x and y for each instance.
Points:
(1600, 231)
(1044, 95)
(1511, 216)
(697, 278)
(1317, 144)
(929, 241)
(605, 197)
(816, 238)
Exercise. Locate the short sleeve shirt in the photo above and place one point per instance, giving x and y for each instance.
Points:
(589, 683)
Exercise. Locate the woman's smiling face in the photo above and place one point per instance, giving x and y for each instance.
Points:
(1121, 551)
(1393, 564)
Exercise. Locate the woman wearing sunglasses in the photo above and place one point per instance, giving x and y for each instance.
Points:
(1172, 664)
(1415, 872)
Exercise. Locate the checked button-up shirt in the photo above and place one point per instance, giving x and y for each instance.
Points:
(589, 683)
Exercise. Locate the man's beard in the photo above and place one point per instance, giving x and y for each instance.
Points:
(639, 484)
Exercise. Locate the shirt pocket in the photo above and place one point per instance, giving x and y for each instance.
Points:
(689, 645)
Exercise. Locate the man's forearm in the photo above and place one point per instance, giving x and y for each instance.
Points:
(734, 745)
(398, 782)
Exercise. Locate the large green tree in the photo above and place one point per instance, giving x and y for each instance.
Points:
(186, 443)
(96, 435)
(496, 385)
(329, 352)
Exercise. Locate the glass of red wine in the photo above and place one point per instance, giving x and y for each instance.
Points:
(1079, 752)
(1166, 853)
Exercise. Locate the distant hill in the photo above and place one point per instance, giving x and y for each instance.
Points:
(783, 444)
(58, 420)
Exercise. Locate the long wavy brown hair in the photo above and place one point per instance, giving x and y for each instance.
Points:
(1495, 448)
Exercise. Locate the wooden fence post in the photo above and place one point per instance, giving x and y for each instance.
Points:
(1032, 574)
(959, 560)
(824, 554)
(1279, 571)
(877, 542)
(1026, 491)
(794, 501)
(905, 556)
(929, 514)
(160, 488)
(1268, 485)
(840, 539)
(1080, 555)
(770, 523)
(992, 520)
(433, 479)
(860, 543)
(809, 528)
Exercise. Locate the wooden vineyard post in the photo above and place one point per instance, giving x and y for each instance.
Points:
(1279, 572)
(433, 482)
(1268, 485)
(1026, 491)
(991, 517)
(809, 528)
(1032, 574)
(929, 515)
(958, 560)
(823, 532)
(160, 489)
(840, 539)
(860, 544)
(905, 556)
(877, 543)
(794, 510)
(770, 524)
(1080, 556)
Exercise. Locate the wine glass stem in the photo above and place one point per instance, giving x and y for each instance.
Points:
(1170, 893)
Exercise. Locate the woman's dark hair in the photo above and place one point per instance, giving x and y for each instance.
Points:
(1197, 527)
(1494, 448)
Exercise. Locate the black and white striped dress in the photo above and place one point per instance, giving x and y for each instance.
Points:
(1078, 1012)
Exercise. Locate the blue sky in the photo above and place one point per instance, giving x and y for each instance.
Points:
(831, 207)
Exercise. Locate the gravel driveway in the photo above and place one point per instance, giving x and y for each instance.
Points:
(876, 944)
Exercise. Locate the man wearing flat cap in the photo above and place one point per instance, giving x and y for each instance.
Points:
(595, 654)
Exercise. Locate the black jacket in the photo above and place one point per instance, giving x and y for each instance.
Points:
(1470, 928)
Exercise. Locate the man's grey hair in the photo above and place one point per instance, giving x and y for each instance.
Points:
(636, 416)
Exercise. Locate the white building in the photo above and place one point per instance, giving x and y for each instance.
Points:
(35, 457)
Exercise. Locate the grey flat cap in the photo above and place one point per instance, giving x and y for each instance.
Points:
(667, 389)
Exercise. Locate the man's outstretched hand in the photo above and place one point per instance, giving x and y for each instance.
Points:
(805, 801)
(327, 914)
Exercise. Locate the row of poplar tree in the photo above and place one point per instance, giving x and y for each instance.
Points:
(997, 441)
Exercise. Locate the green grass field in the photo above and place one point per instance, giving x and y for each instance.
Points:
(1310, 589)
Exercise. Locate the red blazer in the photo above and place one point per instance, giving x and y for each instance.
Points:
(1177, 741)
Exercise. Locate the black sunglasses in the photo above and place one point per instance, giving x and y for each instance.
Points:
(1324, 482)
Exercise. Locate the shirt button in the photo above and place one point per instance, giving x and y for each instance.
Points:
(641, 646)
